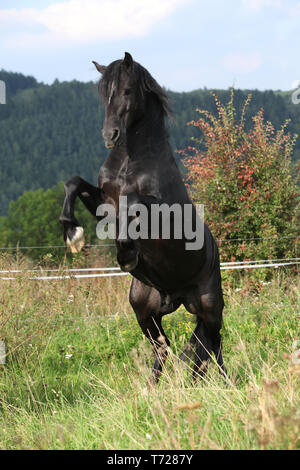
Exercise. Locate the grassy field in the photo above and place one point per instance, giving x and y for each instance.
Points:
(77, 368)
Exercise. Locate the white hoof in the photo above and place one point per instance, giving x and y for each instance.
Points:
(77, 242)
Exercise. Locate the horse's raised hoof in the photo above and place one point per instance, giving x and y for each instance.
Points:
(75, 239)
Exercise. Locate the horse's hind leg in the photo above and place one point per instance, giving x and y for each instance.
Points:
(211, 312)
(146, 302)
(206, 338)
(160, 343)
(200, 348)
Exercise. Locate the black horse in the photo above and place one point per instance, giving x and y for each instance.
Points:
(141, 166)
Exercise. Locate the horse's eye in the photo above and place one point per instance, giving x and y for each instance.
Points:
(127, 91)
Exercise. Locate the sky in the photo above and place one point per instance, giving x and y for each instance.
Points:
(185, 44)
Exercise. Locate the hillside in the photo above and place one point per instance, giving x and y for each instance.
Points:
(51, 132)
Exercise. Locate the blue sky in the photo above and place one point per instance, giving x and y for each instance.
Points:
(185, 44)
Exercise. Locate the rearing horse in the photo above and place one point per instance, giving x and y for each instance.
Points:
(141, 166)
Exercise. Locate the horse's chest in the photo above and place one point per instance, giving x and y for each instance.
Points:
(118, 185)
(114, 189)
(123, 182)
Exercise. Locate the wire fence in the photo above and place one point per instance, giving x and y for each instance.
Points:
(50, 247)
(94, 272)
(114, 271)
(104, 245)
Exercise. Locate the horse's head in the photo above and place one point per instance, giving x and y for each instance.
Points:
(124, 87)
(122, 99)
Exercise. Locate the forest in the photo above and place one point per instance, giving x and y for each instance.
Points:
(50, 132)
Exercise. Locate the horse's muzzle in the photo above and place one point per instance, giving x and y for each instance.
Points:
(109, 145)
(111, 137)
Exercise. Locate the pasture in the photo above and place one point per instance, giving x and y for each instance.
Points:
(77, 366)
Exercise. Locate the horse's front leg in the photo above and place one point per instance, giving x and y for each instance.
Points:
(91, 197)
(133, 224)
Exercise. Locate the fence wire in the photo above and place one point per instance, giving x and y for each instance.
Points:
(103, 245)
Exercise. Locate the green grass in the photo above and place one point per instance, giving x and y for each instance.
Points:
(77, 369)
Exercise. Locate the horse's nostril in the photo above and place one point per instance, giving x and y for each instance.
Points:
(115, 135)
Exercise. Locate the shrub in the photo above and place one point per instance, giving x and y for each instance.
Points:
(245, 180)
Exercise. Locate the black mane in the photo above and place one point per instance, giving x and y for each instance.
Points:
(142, 78)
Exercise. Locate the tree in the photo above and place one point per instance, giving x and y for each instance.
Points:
(33, 220)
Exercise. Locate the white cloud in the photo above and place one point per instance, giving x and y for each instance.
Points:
(242, 63)
(84, 20)
(260, 4)
(295, 10)
(295, 84)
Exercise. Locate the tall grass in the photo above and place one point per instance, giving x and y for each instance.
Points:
(77, 368)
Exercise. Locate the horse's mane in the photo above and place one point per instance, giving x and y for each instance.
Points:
(143, 79)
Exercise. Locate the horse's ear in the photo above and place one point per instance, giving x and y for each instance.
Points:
(100, 68)
(128, 60)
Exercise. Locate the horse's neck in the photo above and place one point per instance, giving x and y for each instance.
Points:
(148, 138)
(113, 163)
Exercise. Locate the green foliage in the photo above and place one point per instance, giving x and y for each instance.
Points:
(77, 367)
(49, 133)
(245, 180)
(15, 82)
(33, 221)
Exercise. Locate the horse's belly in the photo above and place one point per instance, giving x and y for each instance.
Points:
(168, 274)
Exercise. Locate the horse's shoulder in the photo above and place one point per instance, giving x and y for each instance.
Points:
(113, 167)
